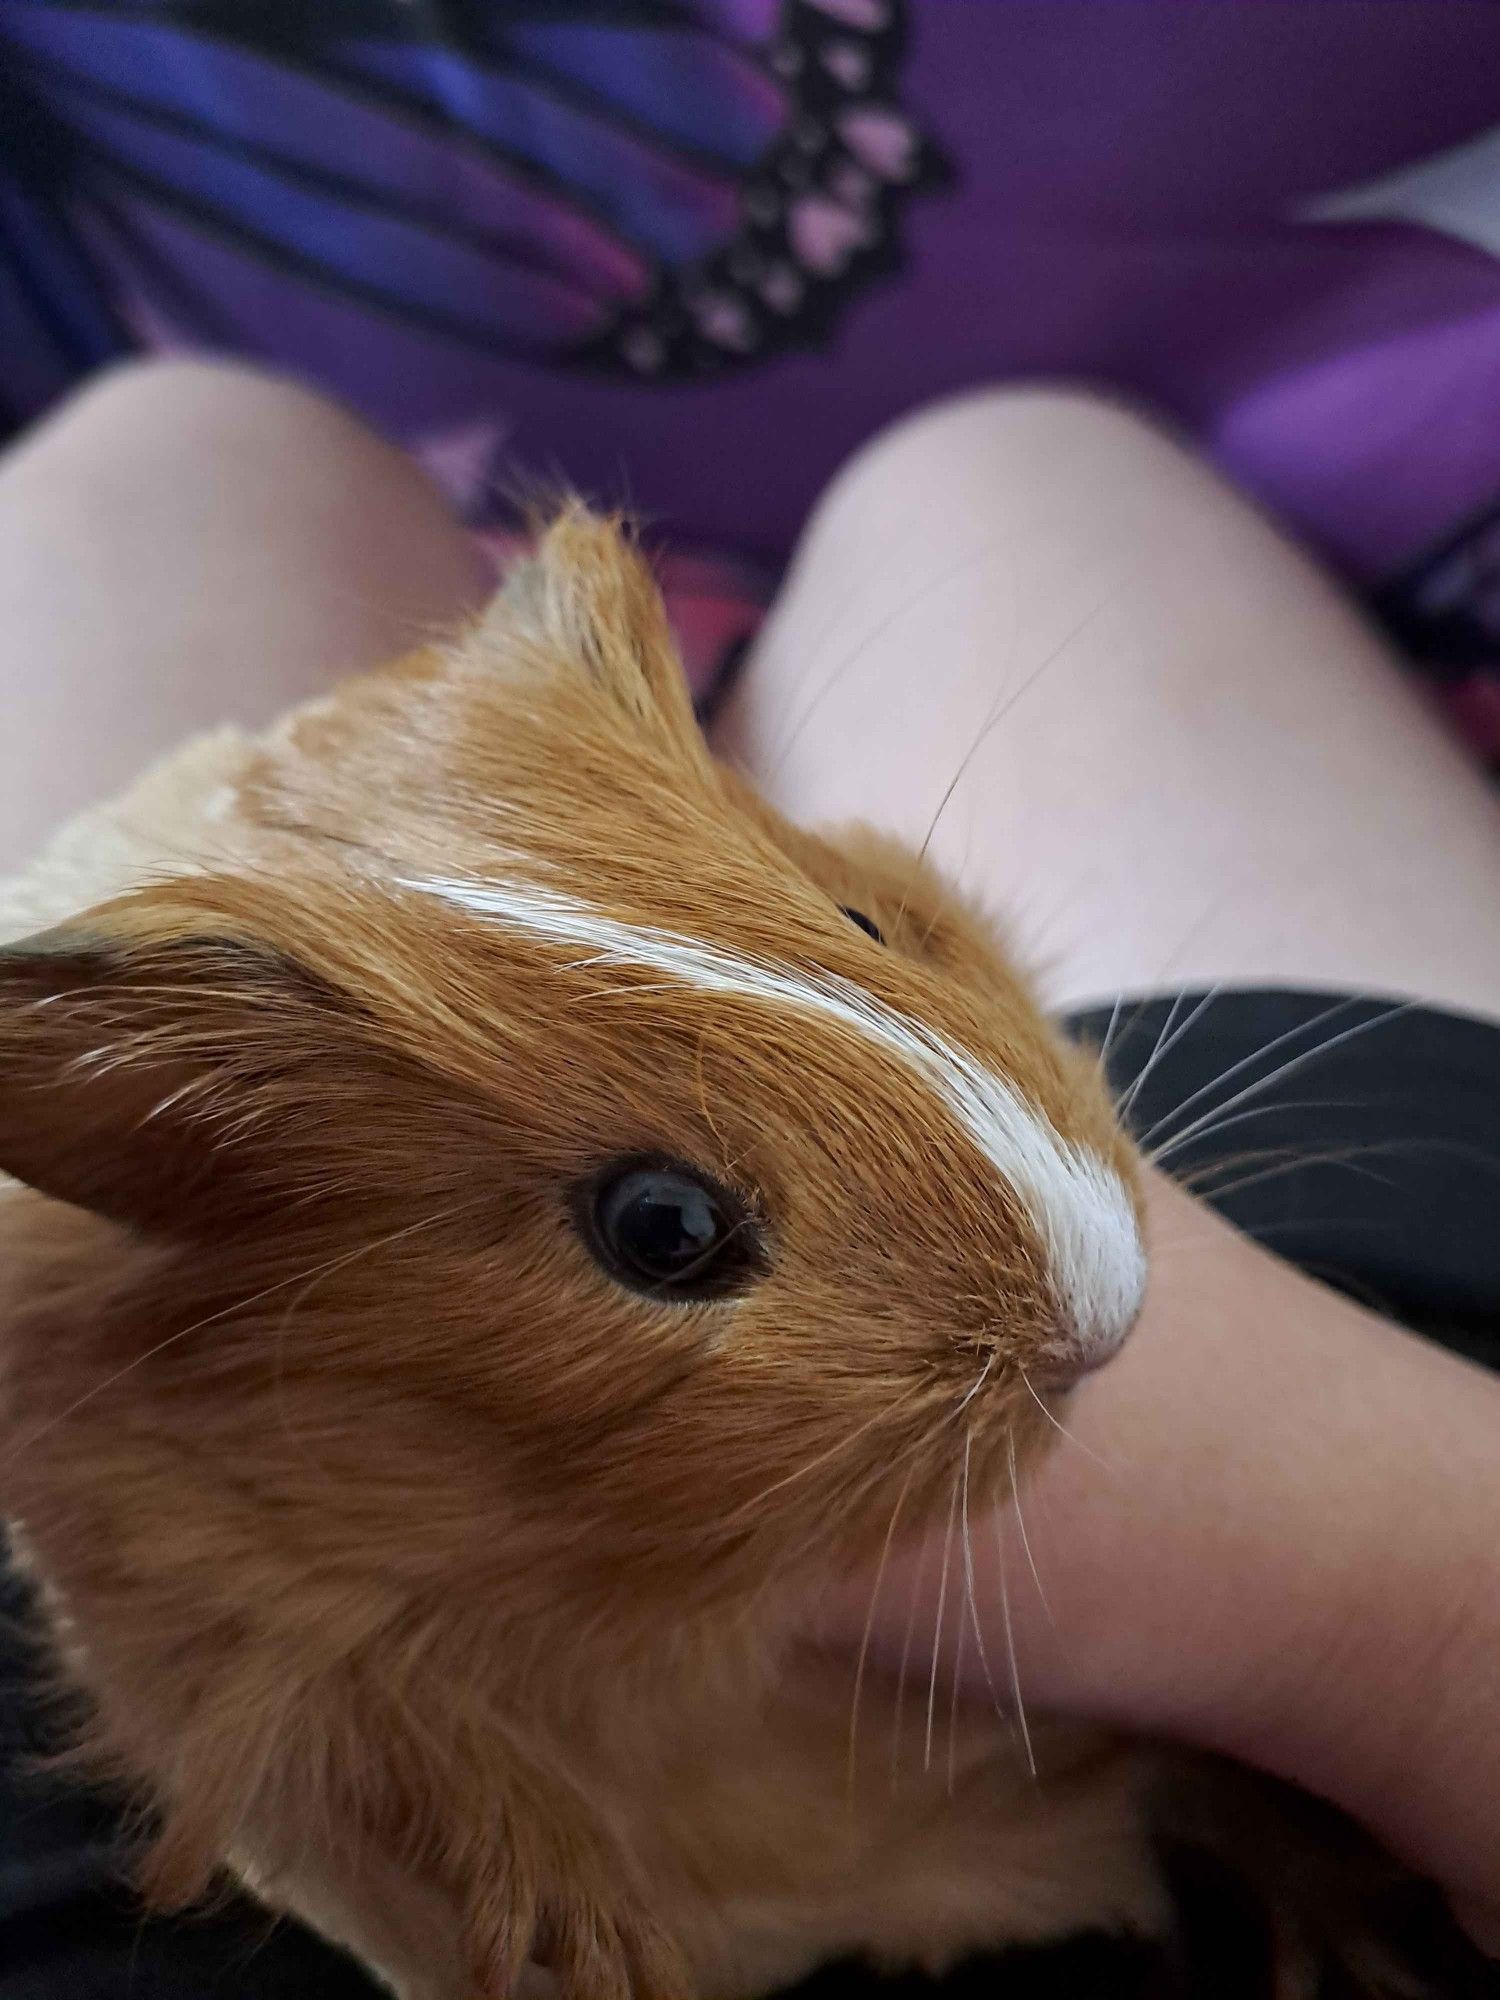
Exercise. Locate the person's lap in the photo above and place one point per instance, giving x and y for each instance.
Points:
(1026, 625)
(185, 545)
(1129, 716)
(1150, 735)
(1030, 630)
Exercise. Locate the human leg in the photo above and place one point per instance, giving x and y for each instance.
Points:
(1164, 728)
(179, 547)
(1176, 755)
(184, 545)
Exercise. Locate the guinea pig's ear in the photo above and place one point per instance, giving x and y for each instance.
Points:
(588, 599)
(161, 1082)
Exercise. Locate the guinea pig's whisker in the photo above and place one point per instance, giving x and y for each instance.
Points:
(973, 1605)
(882, 1415)
(1270, 1162)
(1010, 1648)
(850, 1502)
(1110, 1029)
(998, 709)
(1015, 1498)
(817, 653)
(1127, 1096)
(226, 1312)
(1152, 993)
(1349, 1158)
(937, 1626)
(878, 630)
(1125, 1101)
(1284, 1069)
(1212, 1130)
(979, 1382)
(1165, 1042)
(1275, 1160)
(905, 1663)
(987, 729)
(701, 1083)
(1353, 1161)
(958, 1668)
(866, 1635)
(1061, 1429)
(1198, 1179)
(1216, 1120)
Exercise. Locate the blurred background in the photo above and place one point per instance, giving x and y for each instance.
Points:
(689, 253)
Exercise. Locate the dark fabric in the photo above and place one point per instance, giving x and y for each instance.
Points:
(1360, 1140)
(69, 1928)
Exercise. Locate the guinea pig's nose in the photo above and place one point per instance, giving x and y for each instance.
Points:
(1077, 1350)
(1096, 1270)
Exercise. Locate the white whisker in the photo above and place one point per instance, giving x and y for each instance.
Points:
(1127, 1097)
(1212, 1130)
(1002, 708)
(906, 1646)
(1165, 1044)
(984, 1376)
(937, 1628)
(857, 651)
(1347, 1159)
(1288, 1068)
(958, 1669)
(1244, 1063)
(864, 1644)
(1109, 1034)
(881, 1415)
(1077, 1443)
(1015, 1501)
(1010, 1649)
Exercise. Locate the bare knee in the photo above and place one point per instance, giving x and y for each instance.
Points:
(981, 418)
(1002, 444)
(219, 456)
(200, 419)
(184, 545)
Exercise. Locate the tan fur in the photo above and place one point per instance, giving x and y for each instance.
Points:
(444, 1591)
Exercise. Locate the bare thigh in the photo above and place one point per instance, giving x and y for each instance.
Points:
(185, 545)
(1125, 711)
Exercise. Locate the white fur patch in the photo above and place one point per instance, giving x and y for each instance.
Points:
(1077, 1204)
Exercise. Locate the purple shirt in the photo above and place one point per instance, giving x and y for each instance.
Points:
(690, 253)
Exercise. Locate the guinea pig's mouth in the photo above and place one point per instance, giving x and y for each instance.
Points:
(1074, 1352)
(1091, 1330)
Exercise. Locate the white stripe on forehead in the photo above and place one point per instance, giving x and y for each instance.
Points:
(1077, 1204)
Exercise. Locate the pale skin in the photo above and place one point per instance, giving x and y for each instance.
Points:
(1274, 1532)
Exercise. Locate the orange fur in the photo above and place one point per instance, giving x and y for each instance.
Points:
(442, 1589)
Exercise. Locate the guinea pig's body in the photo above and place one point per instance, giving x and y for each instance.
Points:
(495, 1231)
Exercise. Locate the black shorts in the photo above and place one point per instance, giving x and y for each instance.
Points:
(1359, 1139)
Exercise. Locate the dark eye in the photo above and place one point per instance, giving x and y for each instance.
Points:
(664, 1228)
(870, 929)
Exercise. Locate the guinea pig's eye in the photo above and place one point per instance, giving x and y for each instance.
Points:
(870, 929)
(664, 1228)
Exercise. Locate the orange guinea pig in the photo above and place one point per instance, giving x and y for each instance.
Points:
(496, 1214)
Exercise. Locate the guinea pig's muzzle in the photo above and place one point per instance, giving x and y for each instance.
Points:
(1096, 1269)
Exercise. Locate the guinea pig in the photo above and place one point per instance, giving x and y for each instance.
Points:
(496, 1215)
